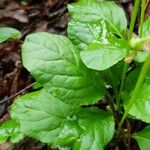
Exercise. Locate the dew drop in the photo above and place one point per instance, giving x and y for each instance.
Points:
(72, 118)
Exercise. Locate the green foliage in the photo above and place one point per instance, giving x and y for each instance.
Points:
(143, 138)
(10, 130)
(90, 129)
(140, 110)
(40, 115)
(52, 121)
(82, 34)
(74, 75)
(141, 56)
(7, 33)
(146, 29)
(94, 11)
(60, 69)
(101, 57)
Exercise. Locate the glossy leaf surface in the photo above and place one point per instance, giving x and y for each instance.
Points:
(101, 57)
(40, 115)
(55, 63)
(82, 34)
(90, 129)
(93, 11)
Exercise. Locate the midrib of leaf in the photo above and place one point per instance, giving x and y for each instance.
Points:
(54, 128)
(91, 30)
(119, 33)
(43, 111)
(67, 61)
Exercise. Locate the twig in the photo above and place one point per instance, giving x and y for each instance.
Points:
(128, 134)
(4, 118)
(112, 107)
(16, 94)
(57, 13)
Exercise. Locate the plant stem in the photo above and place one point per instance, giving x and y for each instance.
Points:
(125, 67)
(136, 91)
(133, 19)
(112, 107)
(140, 45)
(142, 16)
(16, 94)
(128, 135)
(113, 85)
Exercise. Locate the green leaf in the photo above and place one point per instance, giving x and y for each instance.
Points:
(55, 63)
(143, 138)
(101, 57)
(40, 115)
(141, 56)
(10, 130)
(132, 78)
(141, 109)
(146, 28)
(82, 34)
(113, 75)
(7, 33)
(44, 117)
(93, 11)
(90, 129)
(36, 85)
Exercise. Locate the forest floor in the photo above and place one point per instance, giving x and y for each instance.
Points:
(30, 16)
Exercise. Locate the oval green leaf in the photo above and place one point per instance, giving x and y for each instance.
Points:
(101, 57)
(93, 11)
(7, 33)
(55, 63)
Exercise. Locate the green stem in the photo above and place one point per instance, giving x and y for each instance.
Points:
(138, 43)
(133, 19)
(125, 67)
(136, 91)
(142, 16)
(113, 85)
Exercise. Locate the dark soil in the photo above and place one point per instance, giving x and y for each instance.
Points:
(33, 16)
(46, 15)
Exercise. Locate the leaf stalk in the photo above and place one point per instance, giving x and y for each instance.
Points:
(142, 16)
(136, 91)
(125, 68)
